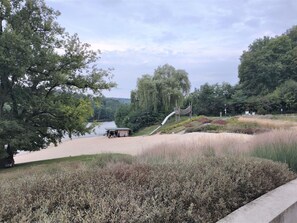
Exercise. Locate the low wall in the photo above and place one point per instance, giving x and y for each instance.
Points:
(277, 206)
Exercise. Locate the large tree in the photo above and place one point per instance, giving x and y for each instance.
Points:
(268, 62)
(46, 77)
(162, 91)
(211, 99)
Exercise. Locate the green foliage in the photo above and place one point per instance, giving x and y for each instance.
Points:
(156, 95)
(107, 108)
(267, 63)
(121, 115)
(135, 120)
(285, 96)
(162, 91)
(139, 192)
(267, 81)
(44, 74)
(211, 99)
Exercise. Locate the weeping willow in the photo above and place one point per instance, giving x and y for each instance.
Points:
(162, 91)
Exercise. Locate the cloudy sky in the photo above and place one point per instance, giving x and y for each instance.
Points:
(203, 37)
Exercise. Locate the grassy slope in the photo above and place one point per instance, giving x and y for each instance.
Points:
(246, 125)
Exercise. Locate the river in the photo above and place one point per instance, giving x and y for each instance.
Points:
(97, 131)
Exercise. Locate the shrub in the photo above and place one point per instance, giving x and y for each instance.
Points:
(204, 128)
(219, 122)
(204, 120)
(202, 191)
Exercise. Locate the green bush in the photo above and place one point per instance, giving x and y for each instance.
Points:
(201, 191)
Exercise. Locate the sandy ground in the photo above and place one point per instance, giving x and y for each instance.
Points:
(128, 145)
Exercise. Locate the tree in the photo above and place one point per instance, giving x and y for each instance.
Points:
(155, 96)
(268, 63)
(122, 115)
(46, 76)
(211, 99)
(106, 109)
(162, 91)
(285, 97)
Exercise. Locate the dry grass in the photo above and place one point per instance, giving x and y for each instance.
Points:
(278, 145)
(278, 136)
(207, 144)
(268, 123)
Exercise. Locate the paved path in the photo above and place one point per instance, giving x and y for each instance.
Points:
(127, 145)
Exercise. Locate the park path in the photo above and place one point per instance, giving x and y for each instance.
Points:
(126, 145)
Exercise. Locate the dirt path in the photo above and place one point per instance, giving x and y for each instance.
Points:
(129, 145)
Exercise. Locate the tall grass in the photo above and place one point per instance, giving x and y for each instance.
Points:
(189, 149)
(269, 123)
(278, 145)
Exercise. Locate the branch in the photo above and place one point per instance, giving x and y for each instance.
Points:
(52, 88)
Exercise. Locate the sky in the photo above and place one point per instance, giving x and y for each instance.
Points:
(203, 37)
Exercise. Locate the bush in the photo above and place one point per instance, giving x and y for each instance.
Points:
(201, 191)
(204, 128)
(219, 122)
(204, 120)
(236, 126)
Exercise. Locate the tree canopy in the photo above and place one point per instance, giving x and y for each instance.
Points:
(268, 62)
(211, 99)
(46, 77)
(155, 96)
(162, 91)
(107, 108)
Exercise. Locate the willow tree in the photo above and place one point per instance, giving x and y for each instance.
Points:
(45, 77)
(162, 91)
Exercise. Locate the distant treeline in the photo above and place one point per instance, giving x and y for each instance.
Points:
(106, 108)
(267, 84)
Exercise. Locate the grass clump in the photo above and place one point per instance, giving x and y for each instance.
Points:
(201, 191)
(278, 146)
